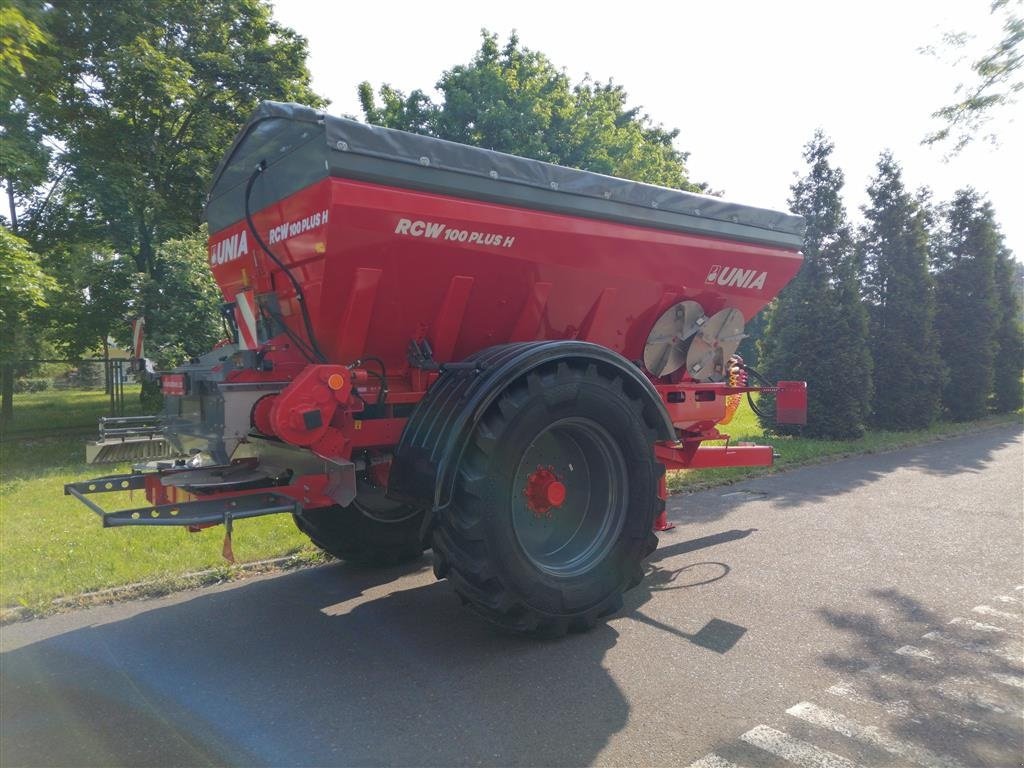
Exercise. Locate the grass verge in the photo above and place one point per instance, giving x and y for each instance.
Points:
(55, 555)
(802, 451)
(52, 546)
(55, 412)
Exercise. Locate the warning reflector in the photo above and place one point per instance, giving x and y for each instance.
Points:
(137, 327)
(245, 317)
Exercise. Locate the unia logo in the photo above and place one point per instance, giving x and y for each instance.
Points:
(229, 249)
(734, 276)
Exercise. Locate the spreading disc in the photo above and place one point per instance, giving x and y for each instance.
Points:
(717, 341)
(665, 351)
(216, 478)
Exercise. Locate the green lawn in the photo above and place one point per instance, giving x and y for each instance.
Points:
(57, 410)
(52, 546)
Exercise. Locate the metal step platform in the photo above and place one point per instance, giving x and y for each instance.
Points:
(128, 438)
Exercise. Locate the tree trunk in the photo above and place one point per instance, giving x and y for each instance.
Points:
(14, 208)
(151, 397)
(7, 385)
(144, 256)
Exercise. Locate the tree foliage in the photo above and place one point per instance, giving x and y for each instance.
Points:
(1007, 385)
(20, 35)
(750, 348)
(93, 302)
(23, 288)
(898, 288)
(115, 116)
(24, 158)
(996, 81)
(23, 291)
(182, 304)
(968, 310)
(514, 100)
(142, 98)
(817, 331)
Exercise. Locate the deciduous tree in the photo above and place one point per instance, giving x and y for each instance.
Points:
(93, 302)
(996, 81)
(23, 289)
(115, 116)
(513, 99)
(141, 99)
(181, 303)
(24, 158)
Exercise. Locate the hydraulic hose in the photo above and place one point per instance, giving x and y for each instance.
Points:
(750, 400)
(382, 377)
(299, 295)
(300, 345)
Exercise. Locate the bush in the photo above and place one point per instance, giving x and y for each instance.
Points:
(22, 386)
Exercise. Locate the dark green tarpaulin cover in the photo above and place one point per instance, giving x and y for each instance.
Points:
(302, 145)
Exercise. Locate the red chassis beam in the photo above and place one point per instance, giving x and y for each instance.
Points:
(170, 505)
(685, 456)
(696, 408)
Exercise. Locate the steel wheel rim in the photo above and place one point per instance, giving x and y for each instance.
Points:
(575, 536)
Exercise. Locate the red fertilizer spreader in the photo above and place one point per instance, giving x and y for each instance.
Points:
(437, 346)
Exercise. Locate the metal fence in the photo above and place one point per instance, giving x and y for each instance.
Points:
(52, 396)
(111, 376)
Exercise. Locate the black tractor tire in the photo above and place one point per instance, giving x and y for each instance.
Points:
(511, 561)
(349, 533)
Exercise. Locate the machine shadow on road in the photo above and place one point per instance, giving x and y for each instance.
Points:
(717, 634)
(331, 665)
(958, 455)
(942, 694)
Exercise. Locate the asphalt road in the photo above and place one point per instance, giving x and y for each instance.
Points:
(862, 612)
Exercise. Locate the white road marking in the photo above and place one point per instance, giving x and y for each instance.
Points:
(947, 689)
(845, 690)
(946, 639)
(1016, 680)
(897, 707)
(801, 753)
(918, 653)
(713, 761)
(951, 690)
(977, 625)
(796, 751)
(977, 700)
(986, 610)
(839, 723)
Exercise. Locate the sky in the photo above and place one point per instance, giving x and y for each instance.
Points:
(747, 83)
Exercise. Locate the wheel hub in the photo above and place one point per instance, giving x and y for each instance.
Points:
(569, 497)
(544, 491)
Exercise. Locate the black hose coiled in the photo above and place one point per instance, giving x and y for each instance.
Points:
(299, 295)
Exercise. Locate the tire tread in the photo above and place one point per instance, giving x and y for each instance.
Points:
(458, 535)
